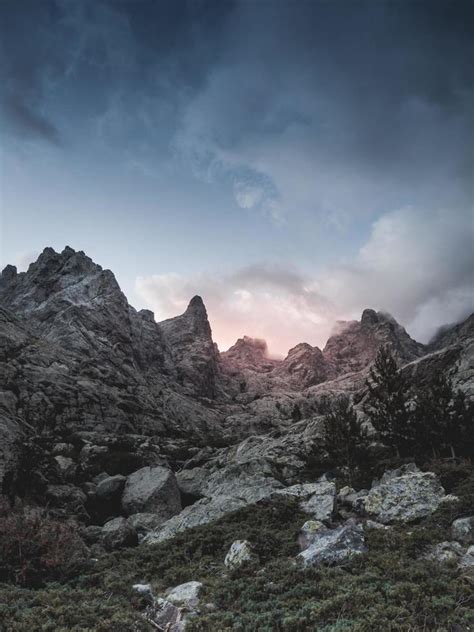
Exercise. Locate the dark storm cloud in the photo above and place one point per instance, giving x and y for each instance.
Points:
(107, 46)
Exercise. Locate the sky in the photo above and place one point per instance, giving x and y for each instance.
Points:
(293, 162)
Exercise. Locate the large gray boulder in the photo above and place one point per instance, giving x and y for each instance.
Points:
(404, 495)
(203, 511)
(334, 546)
(118, 533)
(152, 490)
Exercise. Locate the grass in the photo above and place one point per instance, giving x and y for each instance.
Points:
(390, 588)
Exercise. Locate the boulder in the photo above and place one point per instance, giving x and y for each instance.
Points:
(192, 482)
(117, 533)
(317, 498)
(185, 595)
(320, 505)
(309, 532)
(144, 522)
(92, 534)
(66, 467)
(162, 614)
(239, 553)
(203, 511)
(462, 530)
(110, 488)
(467, 560)
(152, 490)
(403, 495)
(334, 546)
(444, 552)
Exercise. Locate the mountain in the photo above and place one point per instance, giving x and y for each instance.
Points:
(81, 368)
(119, 429)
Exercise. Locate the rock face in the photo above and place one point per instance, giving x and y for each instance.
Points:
(354, 345)
(404, 495)
(152, 490)
(93, 392)
(194, 353)
(334, 546)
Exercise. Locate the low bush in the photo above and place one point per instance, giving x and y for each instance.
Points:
(35, 549)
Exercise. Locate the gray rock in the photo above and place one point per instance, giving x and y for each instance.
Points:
(193, 482)
(310, 531)
(335, 546)
(66, 467)
(444, 552)
(166, 616)
(111, 488)
(320, 505)
(371, 524)
(203, 511)
(152, 490)
(404, 495)
(143, 522)
(467, 560)
(185, 595)
(117, 533)
(239, 553)
(462, 530)
(63, 449)
(92, 534)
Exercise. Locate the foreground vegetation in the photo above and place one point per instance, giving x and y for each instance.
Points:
(390, 588)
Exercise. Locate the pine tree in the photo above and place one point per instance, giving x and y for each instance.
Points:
(387, 404)
(345, 438)
(443, 419)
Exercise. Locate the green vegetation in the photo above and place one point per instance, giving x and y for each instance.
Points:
(434, 420)
(345, 439)
(390, 588)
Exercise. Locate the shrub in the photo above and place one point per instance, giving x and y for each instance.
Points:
(35, 548)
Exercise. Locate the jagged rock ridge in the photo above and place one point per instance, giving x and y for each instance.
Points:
(97, 388)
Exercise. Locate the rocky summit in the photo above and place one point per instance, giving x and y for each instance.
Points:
(135, 433)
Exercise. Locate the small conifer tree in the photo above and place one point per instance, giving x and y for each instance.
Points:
(387, 404)
(345, 437)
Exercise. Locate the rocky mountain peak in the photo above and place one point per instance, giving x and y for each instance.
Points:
(354, 344)
(304, 365)
(249, 353)
(9, 273)
(189, 337)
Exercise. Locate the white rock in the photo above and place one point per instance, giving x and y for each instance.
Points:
(185, 595)
(403, 495)
(239, 553)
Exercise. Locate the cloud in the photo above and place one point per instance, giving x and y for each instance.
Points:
(417, 267)
(260, 300)
(340, 121)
